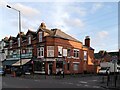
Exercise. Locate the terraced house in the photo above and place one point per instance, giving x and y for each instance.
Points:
(49, 51)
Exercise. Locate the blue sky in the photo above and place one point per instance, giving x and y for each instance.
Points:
(99, 20)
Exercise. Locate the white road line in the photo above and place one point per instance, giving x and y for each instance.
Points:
(82, 82)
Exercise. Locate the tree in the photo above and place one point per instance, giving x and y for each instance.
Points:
(102, 55)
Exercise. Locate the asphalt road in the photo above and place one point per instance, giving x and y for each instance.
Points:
(51, 82)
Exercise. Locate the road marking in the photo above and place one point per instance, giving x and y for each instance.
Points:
(78, 84)
(86, 85)
(70, 83)
(82, 82)
(94, 80)
(96, 87)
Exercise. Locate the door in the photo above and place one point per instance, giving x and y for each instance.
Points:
(50, 65)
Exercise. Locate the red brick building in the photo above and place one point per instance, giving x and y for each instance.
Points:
(49, 51)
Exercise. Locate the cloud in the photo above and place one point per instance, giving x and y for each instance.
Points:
(74, 22)
(74, 9)
(3, 3)
(96, 6)
(26, 10)
(102, 34)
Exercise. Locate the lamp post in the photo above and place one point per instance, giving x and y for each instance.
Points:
(19, 13)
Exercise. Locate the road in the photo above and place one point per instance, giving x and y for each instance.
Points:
(52, 82)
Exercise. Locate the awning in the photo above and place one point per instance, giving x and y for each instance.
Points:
(23, 61)
(9, 62)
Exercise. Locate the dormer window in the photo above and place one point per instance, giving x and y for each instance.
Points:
(29, 40)
(18, 42)
(40, 36)
(10, 43)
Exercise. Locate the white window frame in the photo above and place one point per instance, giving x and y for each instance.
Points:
(76, 52)
(18, 42)
(76, 66)
(29, 39)
(65, 52)
(50, 52)
(85, 55)
(40, 50)
(40, 36)
(69, 53)
(60, 49)
(10, 43)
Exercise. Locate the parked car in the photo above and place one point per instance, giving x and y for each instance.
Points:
(2, 72)
(104, 71)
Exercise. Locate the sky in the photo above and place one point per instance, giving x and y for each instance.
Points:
(95, 18)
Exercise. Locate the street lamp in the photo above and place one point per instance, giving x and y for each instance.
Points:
(19, 31)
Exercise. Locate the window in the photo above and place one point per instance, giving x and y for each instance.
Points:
(40, 52)
(85, 55)
(76, 53)
(29, 50)
(50, 51)
(64, 52)
(18, 42)
(76, 66)
(29, 40)
(39, 66)
(40, 36)
(59, 51)
(69, 52)
(10, 52)
(68, 66)
(10, 43)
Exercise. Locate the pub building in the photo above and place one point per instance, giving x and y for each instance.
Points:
(48, 51)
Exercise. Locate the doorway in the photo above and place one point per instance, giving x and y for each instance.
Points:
(50, 70)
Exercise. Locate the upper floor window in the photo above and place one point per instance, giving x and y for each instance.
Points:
(10, 52)
(69, 52)
(10, 43)
(65, 52)
(29, 50)
(50, 51)
(29, 40)
(76, 53)
(40, 36)
(60, 51)
(18, 42)
(40, 52)
(85, 55)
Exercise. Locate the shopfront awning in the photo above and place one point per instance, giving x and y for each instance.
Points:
(8, 62)
(23, 61)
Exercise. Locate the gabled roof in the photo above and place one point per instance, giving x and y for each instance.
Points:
(55, 33)
(12, 38)
(32, 32)
(61, 34)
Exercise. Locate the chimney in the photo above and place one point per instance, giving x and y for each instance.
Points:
(87, 41)
(43, 25)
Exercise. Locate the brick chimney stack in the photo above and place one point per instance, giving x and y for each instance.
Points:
(87, 41)
(43, 25)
